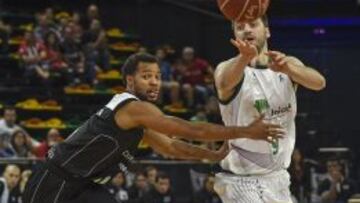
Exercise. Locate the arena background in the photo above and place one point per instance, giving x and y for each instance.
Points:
(323, 33)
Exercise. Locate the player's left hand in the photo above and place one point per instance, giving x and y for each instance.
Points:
(278, 62)
(223, 151)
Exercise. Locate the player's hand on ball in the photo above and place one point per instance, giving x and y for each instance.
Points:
(278, 62)
(245, 48)
(259, 130)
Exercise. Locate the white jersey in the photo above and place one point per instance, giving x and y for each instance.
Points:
(267, 92)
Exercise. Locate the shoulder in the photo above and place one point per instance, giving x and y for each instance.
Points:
(223, 65)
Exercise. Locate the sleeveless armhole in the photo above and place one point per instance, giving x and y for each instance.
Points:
(115, 104)
(234, 94)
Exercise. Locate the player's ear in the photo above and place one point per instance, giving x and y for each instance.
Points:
(130, 81)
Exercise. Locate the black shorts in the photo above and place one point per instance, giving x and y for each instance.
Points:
(47, 186)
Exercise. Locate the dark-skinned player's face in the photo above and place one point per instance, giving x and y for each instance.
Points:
(146, 81)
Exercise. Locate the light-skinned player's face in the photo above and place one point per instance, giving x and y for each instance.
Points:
(146, 81)
(253, 32)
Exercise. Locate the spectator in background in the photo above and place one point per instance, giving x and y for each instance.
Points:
(53, 137)
(53, 55)
(207, 193)
(336, 188)
(8, 125)
(54, 60)
(96, 38)
(168, 82)
(139, 188)
(60, 28)
(76, 26)
(212, 111)
(192, 72)
(44, 26)
(92, 13)
(21, 146)
(25, 175)
(32, 53)
(117, 187)
(300, 178)
(142, 50)
(9, 192)
(161, 193)
(5, 31)
(151, 174)
(74, 57)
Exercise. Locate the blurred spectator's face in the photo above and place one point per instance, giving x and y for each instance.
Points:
(10, 117)
(333, 166)
(209, 185)
(51, 39)
(29, 37)
(12, 176)
(95, 25)
(141, 182)
(118, 180)
(163, 185)
(19, 139)
(76, 18)
(188, 54)
(49, 12)
(93, 11)
(53, 137)
(142, 50)
(64, 22)
(160, 54)
(151, 175)
(68, 33)
(43, 21)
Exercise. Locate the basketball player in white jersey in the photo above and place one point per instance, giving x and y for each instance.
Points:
(259, 82)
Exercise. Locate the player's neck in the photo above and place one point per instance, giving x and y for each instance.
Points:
(261, 61)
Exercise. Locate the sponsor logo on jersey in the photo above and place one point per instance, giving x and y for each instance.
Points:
(281, 110)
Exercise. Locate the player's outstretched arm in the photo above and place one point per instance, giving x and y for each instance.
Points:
(229, 74)
(146, 115)
(297, 71)
(174, 148)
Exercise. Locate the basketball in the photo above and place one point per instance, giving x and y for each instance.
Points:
(243, 10)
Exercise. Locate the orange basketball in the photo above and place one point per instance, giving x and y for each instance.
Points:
(243, 10)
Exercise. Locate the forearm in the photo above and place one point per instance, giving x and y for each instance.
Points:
(204, 131)
(306, 77)
(184, 150)
(230, 74)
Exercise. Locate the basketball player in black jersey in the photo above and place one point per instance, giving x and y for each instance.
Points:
(76, 168)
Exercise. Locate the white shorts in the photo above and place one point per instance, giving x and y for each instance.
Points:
(271, 188)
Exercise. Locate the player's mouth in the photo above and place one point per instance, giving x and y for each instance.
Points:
(153, 94)
(250, 39)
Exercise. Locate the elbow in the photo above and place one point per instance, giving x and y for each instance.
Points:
(321, 84)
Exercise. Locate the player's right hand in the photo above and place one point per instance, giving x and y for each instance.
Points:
(260, 130)
(245, 48)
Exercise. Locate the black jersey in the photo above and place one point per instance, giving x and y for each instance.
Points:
(98, 147)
